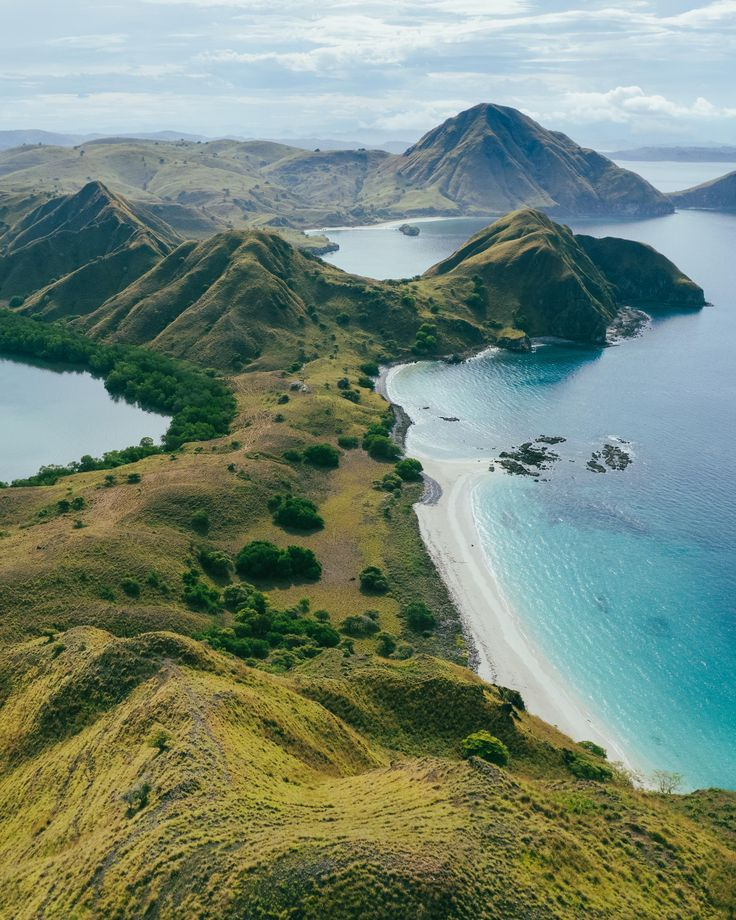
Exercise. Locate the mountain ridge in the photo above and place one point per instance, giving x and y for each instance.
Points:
(487, 160)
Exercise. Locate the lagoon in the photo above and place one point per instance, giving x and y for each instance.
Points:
(53, 416)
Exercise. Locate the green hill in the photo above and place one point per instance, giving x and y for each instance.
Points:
(70, 254)
(487, 160)
(151, 777)
(246, 296)
(716, 195)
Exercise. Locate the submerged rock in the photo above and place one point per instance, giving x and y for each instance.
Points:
(409, 230)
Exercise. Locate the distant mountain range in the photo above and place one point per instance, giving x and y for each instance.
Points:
(722, 154)
(485, 161)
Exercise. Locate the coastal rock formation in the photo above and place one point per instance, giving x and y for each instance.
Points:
(716, 195)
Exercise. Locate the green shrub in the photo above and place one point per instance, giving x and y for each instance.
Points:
(216, 562)
(292, 455)
(198, 595)
(235, 597)
(373, 581)
(200, 521)
(391, 482)
(131, 586)
(347, 442)
(304, 564)
(16, 302)
(381, 447)
(426, 339)
(409, 469)
(78, 503)
(351, 395)
(322, 455)
(583, 768)
(595, 749)
(486, 746)
(366, 383)
(359, 626)
(419, 617)
(134, 478)
(385, 644)
(294, 512)
(370, 369)
(404, 651)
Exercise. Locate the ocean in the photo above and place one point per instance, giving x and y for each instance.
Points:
(625, 580)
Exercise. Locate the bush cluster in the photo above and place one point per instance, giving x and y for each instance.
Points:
(419, 617)
(261, 560)
(373, 581)
(259, 629)
(198, 595)
(409, 469)
(297, 513)
(322, 455)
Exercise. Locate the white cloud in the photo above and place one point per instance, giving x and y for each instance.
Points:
(88, 42)
(627, 103)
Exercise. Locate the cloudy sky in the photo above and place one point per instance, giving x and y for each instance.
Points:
(608, 73)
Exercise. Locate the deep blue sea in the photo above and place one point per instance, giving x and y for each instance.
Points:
(626, 580)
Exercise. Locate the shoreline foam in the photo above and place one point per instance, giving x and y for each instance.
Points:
(504, 653)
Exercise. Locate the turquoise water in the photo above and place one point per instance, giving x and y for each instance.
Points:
(51, 416)
(626, 580)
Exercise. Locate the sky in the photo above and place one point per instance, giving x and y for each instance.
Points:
(610, 74)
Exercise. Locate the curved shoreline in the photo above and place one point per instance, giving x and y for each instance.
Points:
(503, 652)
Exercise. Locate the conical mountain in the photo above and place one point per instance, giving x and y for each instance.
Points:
(219, 301)
(71, 253)
(493, 159)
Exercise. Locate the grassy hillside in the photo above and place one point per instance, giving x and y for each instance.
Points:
(487, 160)
(69, 254)
(150, 777)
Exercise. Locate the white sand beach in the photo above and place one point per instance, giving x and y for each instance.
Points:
(507, 655)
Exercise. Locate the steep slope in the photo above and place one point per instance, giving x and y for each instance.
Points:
(716, 195)
(492, 159)
(152, 777)
(639, 275)
(249, 295)
(72, 253)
